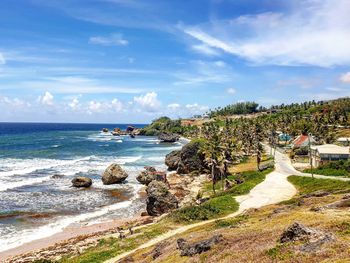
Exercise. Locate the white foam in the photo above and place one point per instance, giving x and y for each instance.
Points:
(29, 235)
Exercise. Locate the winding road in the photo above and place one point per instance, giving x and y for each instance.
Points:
(274, 189)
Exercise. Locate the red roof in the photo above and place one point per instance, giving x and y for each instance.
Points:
(300, 140)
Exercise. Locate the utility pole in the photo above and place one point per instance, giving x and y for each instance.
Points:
(312, 171)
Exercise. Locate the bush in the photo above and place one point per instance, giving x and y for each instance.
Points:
(213, 208)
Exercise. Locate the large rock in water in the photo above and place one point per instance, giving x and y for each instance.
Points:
(81, 182)
(168, 137)
(150, 174)
(114, 174)
(191, 159)
(172, 160)
(159, 199)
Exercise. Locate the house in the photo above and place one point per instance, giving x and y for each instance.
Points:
(344, 141)
(303, 141)
(328, 152)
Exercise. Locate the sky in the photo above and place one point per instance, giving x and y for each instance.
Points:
(131, 61)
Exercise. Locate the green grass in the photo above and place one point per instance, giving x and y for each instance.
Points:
(307, 185)
(215, 207)
(328, 172)
(251, 179)
(111, 247)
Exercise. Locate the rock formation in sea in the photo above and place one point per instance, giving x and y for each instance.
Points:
(114, 174)
(81, 182)
(168, 137)
(150, 174)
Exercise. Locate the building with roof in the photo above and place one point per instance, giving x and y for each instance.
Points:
(303, 141)
(322, 154)
(344, 141)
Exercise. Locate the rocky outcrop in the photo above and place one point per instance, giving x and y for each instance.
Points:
(198, 247)
(150, 174)
(168, 137)
(105, 130)
(191, 159)
(172, 160)
(159, 199)
(81, 182)
(114, 174)
(319, 193)
(298, 232)
(130, 129)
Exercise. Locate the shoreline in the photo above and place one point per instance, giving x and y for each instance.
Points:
(76, 236)
(71, 239)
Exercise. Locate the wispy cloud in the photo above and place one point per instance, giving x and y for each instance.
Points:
(314, 33)
(77, 85)
(115, 39)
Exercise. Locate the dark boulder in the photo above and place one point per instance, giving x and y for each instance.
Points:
(198, 247)
(81, 182)
(298, 232)
(130, 129)
(172, 160)
(168, 137)
(150, 174)
(191, 159)
(159, 199)
(105, 130)
(114, 174)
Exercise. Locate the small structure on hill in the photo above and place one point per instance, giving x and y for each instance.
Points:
(322, 154)
(303, 141)
(344, 141)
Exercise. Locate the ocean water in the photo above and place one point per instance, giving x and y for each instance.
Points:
(38, 162)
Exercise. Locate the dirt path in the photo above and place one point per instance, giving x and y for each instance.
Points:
(274, 189)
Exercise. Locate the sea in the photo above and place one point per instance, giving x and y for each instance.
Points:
(38, 162)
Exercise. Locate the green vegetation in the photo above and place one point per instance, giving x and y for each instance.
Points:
(230, 222)
(338, 168)
(111, 247)
(235, 109)
(162, 125)
(249, 178)
(307, 185)
(215, 207)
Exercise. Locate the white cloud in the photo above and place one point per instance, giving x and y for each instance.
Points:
(148, 102)
(112, 40)
(315, 32)
(46, 99)
(345, 78)
(174, 106)
(196, 108)
(14, 103)
(231, 91)
(2, 59)
(94, 106)
(116, 105)
(74, 104)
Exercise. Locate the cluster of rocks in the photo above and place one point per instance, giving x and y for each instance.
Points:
(168, 137)
(150, 174)
(314, 238)
(186, 160)
(198, 247)
(130, 130)
(114, 174)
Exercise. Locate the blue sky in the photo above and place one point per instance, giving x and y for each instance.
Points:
(130, 61)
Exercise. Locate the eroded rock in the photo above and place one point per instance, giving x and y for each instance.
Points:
(172, 160)
(198, 247)
(114, 174)
(159, 199)
(81, 182)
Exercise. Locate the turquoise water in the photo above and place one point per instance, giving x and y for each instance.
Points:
(38, 162)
